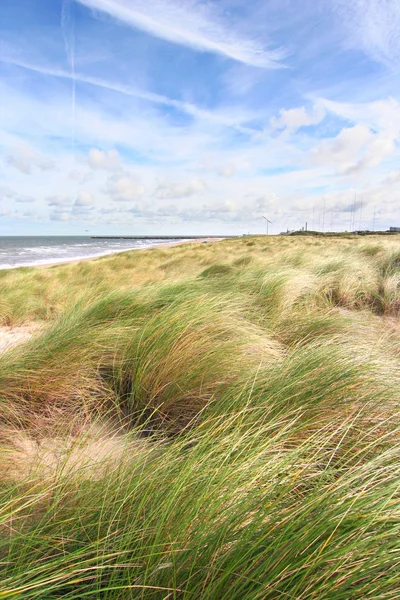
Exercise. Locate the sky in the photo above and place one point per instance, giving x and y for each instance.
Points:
(149, 117)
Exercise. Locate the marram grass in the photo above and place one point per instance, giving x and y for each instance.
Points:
(212, 421)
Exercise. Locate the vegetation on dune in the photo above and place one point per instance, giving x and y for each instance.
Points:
(216, 421)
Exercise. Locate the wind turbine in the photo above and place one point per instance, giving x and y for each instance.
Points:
(268, 222)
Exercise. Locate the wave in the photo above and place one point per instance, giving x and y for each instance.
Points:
(48, 255)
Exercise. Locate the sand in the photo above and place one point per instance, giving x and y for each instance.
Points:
(14, 336)
(88, 456)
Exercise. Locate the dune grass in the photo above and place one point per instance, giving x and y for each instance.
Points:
(216, 421)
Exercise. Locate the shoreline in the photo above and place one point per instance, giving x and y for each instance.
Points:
(90, 258)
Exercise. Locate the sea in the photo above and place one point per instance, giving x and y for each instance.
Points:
(30, 251)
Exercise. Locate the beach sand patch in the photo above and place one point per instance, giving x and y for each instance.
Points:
(14, 336)
(88, 456)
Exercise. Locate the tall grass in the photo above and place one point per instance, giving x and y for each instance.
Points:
(212, 421)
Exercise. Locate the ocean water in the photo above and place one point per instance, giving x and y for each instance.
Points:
(18, 251)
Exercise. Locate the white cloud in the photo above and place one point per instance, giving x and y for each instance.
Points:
(265, 202)
(84, 199)
(98, 159)
(190, 23)
(294, 118)
(214, 208)
(60, 216)
(24, 158)
(168, 190)
(25, 199)
(239, 80)
(124, 188)
(79, 176)
(83, 204)
(381, 146)
(64, 206)
(58, 200)
(372, 26)
(8, 193)
(392, 178)
(109, 211)
(240, 209)
(379, 115)
(354, 149)
(173, 160)
(214, 164)
(228, 170)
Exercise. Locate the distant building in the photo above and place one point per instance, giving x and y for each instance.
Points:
(394, 229)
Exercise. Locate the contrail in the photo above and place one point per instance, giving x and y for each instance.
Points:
(186, 107)
(68, 29)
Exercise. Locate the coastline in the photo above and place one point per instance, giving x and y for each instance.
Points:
(51, 262)
(90, 258)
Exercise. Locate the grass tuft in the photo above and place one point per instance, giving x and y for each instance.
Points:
(199, 422)
(216, 271)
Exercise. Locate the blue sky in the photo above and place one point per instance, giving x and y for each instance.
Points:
(185, 116)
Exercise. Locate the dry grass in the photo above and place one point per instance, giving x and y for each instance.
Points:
(216, 421)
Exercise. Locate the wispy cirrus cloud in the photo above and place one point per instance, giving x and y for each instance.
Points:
(380, 115)
(185, 107)
(191, 24)
(173, 111)
(373, 26)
